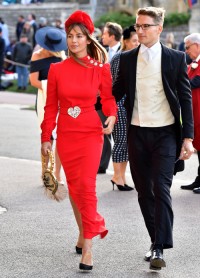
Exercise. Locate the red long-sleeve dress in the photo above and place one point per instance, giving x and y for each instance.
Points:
(79, 139)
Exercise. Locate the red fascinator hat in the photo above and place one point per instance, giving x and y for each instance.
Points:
(80, 17)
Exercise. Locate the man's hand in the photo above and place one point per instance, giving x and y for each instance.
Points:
(187, 149)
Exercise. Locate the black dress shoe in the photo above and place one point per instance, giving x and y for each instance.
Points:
(196, 190)
(193, 185)
(101, 171)
(147, 257)
(157, 261)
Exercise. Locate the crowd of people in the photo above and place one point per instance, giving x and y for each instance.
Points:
(126, 84)
(18, 49)
(23, 2)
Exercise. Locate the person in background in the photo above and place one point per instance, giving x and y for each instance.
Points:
(32, 21)
(5, 31)
(181, 47)
(19, 26)
(9, 66)
(25, 2)
(111, 38)
(98, 34)
(58, 24)
(169, 41)
(42, 22)
(192, 48)
(8, 2)
(22, 55)
(2, 54)
(120, 148)
(155, 81)
(28, 32)
(52, 44)
(72, 90)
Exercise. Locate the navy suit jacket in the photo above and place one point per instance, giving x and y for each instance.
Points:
(175, 83)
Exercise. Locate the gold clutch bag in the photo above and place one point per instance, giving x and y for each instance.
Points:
(52, 188)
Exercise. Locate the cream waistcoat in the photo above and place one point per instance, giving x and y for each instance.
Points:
(151, 108)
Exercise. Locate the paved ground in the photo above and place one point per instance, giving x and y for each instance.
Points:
(38, 235)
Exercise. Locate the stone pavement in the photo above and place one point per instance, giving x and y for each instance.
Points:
(38, 235)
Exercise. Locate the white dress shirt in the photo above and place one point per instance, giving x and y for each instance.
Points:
(149, 53)
(113, 50)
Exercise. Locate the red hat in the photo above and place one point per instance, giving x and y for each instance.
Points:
(80, 17)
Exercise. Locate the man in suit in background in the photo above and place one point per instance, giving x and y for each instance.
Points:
(2, 54)
(111, 38)
(32, 20)
(192, 48)
(156, 84)
(19, 26)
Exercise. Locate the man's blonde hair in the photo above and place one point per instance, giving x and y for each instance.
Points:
(158, 14)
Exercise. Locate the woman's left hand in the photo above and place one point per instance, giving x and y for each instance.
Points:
(109, 123)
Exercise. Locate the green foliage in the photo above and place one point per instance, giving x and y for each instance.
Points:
(176, 19)
(172, 19)
(121, 18)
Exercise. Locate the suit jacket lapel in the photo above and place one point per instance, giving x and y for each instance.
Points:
(132, 70)
(166, 66)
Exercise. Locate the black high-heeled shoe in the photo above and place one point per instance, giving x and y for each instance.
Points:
(121, 187)
(126, 185)
(85, 266)
(78, 250)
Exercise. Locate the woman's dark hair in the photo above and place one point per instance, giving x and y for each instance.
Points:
(94, 49)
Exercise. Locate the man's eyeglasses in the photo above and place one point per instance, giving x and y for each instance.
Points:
(188, 47)
(143, 26)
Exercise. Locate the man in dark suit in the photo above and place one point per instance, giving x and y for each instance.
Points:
(19, 26)
(155, 81)
(32, 20)
(2, 54)
(111, 37)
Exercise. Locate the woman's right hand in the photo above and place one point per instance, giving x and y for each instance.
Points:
(45, 147)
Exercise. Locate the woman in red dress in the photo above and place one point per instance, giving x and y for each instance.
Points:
(73, 87)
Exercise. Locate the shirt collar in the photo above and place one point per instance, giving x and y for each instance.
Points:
(154, 49)
(116, 47)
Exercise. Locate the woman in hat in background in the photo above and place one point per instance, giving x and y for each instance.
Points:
(120, 149)
(52, 42)
(74, 85)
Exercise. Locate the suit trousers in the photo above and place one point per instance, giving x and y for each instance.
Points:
(198, 171)
(106, 152)
(152, 155)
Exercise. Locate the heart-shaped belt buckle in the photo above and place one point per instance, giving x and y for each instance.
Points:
(74, 112)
